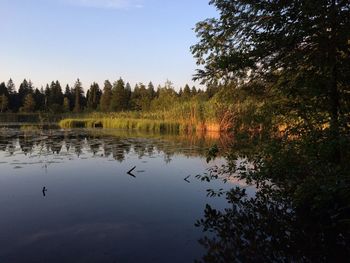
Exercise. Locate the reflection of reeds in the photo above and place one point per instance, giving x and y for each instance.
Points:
(29, 128)
(115, 142)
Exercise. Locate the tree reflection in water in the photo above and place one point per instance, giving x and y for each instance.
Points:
(115, 144)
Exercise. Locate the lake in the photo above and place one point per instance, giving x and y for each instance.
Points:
(67, 196)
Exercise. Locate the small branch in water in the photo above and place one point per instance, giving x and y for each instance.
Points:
(185, 179)
(44, 191)
(130, 172)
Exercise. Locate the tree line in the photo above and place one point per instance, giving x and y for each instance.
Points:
(113, 97)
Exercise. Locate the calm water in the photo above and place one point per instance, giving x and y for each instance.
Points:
(65, 196)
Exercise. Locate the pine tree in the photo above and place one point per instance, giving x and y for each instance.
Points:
(128, 93)
(69, 94)
(39, 98)
(93, 96)
(3, 103)
(118, 101)
(78, 91)
(23, 91)
(186, 92)
(3, 89)
(151, 91)
(106, 97)
(11, 87)
(29, 103)
(193, 91)
(55, 97)
(66, 105)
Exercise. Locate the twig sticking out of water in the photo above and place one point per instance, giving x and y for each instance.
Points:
(44, 191)
(130, 172)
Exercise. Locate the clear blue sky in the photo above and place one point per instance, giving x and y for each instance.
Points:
(139, 40)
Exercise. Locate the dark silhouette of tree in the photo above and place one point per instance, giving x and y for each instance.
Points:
(296, 55)
(24, 89)
(118, 101)
(78, 100)
(3, 89)
(39, 98)
(93, 96)
(29, 103)
(3, 103)
(128, 93)
(106, 97)
(55, 97)
(140, 98)
(193, 91)
(11, 89)
(302, 47)
(151, 91)
(186, 92)
(69, 94)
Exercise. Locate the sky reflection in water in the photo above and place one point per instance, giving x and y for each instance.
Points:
(65, 196)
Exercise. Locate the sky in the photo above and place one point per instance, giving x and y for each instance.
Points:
(95, 40)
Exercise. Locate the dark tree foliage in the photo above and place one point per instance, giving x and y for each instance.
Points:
(54, 97)
(128, 93)
(69, 95)
(118, 100)
(302, 47)
(3, 89)
(93, 96)
(140, 98)
(106, 97)
(295, 54)
(151, 91)
(23, 91)
(114, 98)
(39, 98)
(186, 92)
(78, 97)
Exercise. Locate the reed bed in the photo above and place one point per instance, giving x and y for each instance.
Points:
(128, 124)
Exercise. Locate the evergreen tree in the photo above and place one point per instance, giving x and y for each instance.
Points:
(3, 89)
(66, 105)
(93, 96)
(118, 101)
(47, 93)
(193, 91)
(128, 96)
(186, 92)
(11, 89)
(3, 103)
(29, 103)
(23, 91)
(180, 92)
(140, 98)
(106, 97)
(55, 97)
(151, 91)
(78, 100)
(39, 98)
(69, 94)
(13, 104)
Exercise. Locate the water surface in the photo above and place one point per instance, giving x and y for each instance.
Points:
(67, 196)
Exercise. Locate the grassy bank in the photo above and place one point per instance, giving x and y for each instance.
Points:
(123, 123)
(137, 124)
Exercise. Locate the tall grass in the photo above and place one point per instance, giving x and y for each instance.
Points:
(127, 124)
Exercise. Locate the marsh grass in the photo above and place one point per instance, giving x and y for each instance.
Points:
(128, 124)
